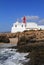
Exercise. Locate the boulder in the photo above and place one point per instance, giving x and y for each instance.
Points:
(4, 38)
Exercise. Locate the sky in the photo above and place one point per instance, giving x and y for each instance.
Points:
(11, 10)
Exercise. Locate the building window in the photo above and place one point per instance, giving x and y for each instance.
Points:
(22, 25)
(15, 25)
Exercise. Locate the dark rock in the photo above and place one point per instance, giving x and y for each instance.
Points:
(4, 38)
(33, 43)
(37, 56)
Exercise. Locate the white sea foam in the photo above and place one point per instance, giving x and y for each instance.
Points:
(11, 57)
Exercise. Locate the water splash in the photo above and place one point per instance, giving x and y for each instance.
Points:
(11, 57)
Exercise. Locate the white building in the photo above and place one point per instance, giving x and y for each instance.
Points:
(41, 27)
(20, 27)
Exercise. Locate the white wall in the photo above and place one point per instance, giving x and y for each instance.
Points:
(19, 28)
(29, 26)
(41, 27)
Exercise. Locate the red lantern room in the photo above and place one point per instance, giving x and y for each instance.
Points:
(24, 19)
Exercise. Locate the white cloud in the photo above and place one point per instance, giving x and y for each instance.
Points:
(32, 17)
(36, 19)
(41, 22)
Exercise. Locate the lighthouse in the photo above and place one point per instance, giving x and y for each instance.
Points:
(24, 25)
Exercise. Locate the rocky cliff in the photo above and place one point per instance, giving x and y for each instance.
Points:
(32, 42)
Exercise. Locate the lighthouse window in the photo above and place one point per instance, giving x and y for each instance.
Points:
(15, 25)
(22, 25)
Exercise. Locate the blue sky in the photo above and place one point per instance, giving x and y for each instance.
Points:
(10, 10)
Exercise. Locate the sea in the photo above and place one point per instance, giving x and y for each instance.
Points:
(9, 56)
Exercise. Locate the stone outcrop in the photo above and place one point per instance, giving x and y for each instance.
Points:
(31, 37)
(4, 39)
(32, 42)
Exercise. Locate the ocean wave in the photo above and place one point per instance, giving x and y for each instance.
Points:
(11, 57)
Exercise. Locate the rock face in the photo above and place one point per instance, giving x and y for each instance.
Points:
(37, 56)
(4, 38)
(32, 42)
(30, 37)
